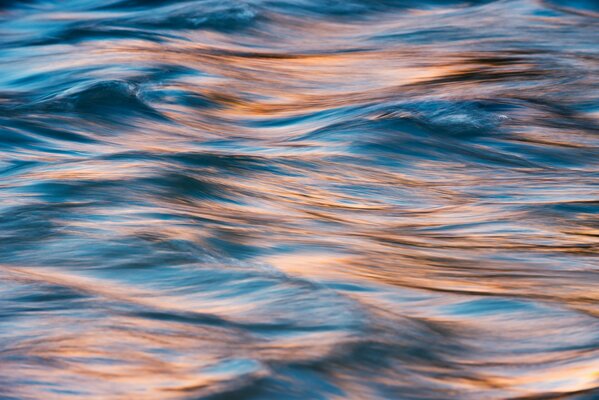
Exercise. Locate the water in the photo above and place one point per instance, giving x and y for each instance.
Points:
(299, 199)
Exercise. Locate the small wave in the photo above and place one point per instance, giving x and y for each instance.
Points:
(110, 100)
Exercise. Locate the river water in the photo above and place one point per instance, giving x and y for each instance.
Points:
(299, 199)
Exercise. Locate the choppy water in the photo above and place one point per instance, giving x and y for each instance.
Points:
(299, 199)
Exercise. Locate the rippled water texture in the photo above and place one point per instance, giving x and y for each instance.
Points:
(299, 199)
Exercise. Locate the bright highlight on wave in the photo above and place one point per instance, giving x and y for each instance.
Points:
(309, 199)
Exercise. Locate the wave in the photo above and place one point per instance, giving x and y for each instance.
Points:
(298, 199)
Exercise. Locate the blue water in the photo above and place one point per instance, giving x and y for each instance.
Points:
(309, 199)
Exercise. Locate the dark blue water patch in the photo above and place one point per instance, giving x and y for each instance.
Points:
(16, 166)
(168, 186)
(360, 8)
(40, 86)
(81, 33)
(222, 16)
(492, 306)
(41, 309)
(587, 7)
(69, 244)
(463, 119)
(12, 138)
(184, 185)
(411, 151)
(227, 163)
(180, 97)
(438, 34)
(429, 130)
(294, 382)
(212, 15)
(550, 155)
(44, 130)
(10, 101)
(11, 4)
(576, 207)
(49, 295)
(63, 191)
(231, 244)
(112, 100)
(136, 4)
(192, 318)
(231, 162)
(588, 394)
(454, 119)
(164, 72)
(30, 226)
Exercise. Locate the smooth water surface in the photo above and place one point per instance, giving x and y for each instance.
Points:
(299, 199)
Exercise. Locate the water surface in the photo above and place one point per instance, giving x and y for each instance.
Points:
(308, 199)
